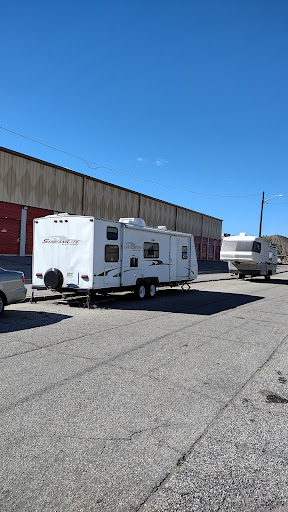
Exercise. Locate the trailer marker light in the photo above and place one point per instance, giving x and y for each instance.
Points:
(55, 220)
(36, 221)
(84, 276)
(39, 274)
(23, 279)
(91, 220)
(60, 220)
(66, 220)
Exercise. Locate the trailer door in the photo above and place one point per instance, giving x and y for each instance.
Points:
(112, 270)
(183, 258)
(172, 258)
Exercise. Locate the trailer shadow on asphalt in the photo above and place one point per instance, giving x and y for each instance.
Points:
(15, 320)
(272, 281)
(188, 302)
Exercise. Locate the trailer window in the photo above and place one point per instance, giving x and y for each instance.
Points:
(235, 246)
(256, 247)
(184, 252)
(112, 233)
(151, 250)
(133, 261)
(111, 252)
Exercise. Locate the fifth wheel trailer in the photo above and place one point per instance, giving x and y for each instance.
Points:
(87, 255)
(249, 255)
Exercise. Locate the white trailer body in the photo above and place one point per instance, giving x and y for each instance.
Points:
(249, 255)
(85, 254)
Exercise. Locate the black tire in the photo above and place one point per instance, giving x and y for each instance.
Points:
(140, 291)
(241, 276)
(151, 290)
(267, 278)
(2, 304)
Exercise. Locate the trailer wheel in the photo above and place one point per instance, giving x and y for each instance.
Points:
(140, 291)
(241, 276)
(152, 290)
(267, 278)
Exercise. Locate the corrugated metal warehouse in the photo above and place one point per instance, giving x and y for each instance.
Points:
(33, 188)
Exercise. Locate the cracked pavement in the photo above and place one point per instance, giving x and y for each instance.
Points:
(173, 403)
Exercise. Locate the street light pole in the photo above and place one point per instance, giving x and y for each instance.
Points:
(261, 215)
(262, 204)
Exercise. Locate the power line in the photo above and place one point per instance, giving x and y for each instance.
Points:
(98, 166)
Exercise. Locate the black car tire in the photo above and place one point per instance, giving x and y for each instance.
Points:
(2, 304)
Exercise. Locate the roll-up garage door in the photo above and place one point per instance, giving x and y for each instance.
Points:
(33, 213)
(204, 248)
(197, 242)
(10, 221)
(211, 249)
(217, 249)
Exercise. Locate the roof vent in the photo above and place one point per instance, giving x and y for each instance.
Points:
(134, 221)
(164, 228)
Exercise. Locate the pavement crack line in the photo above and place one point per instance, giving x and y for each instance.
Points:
(105, 439)
(86, 371)
(184, 457)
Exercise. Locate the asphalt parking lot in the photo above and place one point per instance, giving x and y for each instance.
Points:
(174, 403)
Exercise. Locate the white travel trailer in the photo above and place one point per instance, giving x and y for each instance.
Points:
(249, 255)
(87, 255)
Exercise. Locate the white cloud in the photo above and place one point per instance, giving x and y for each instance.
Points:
(160, 161)
(140, 159)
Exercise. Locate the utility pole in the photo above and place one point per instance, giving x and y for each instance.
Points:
(262, 204)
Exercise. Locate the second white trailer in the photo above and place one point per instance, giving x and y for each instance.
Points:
(249, 255)
(85, 254)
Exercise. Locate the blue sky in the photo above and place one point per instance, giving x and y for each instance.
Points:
(191, 94)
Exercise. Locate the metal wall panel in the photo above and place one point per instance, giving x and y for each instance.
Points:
(189, 221)
(211, 227)
(31, 182)
(157, 213)
(109, 202)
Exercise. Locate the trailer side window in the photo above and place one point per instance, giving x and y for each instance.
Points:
(133, 261)
(256, 247)
(112, 233)
(184, 252)
(111, 252)
(151, 250)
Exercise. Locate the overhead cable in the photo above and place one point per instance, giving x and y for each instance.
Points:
(98, 166)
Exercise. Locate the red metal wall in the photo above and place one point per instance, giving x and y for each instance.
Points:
(204, 248)
(197, 242)
(217, 249)
(33, 213)
(211, 249)
(10, 222)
